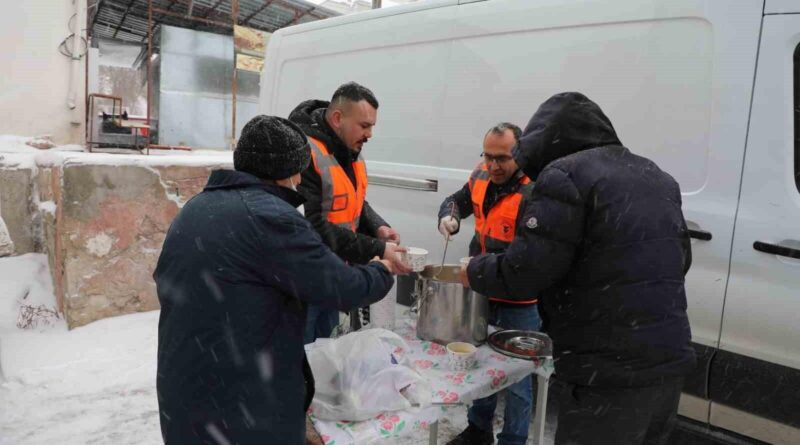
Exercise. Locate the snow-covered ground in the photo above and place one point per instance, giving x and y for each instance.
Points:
(92, 385)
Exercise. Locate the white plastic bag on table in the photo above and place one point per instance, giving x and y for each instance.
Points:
(363, 374)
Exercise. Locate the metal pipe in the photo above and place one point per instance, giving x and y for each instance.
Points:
(234, 18)
(86, 79)
(213, 8)
(72, 95)
(124, 16)
(106, 96)
(257, 11)
(193, 18)
(149, 63)
(294, 8)
(170, 147)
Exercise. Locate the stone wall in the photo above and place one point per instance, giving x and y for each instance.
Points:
(16, 206)
(113, 220)
(102, 225)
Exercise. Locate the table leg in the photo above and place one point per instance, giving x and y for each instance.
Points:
(433, 438)
(540, 417)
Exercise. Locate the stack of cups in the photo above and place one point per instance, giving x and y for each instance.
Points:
(382, 313)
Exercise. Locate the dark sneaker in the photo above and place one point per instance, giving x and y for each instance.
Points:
(473, 436)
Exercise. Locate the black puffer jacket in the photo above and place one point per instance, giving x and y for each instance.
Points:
(604, 244)
(359, 247)
(238, 267)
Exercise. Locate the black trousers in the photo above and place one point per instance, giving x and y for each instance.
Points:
(619, 416)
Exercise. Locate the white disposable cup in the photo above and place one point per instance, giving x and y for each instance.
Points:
(461, 356)
(415, 258)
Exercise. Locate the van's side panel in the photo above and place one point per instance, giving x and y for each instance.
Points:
(758, 367)
(403, 59)
(781, 7)
(640, 62)
(674, 77)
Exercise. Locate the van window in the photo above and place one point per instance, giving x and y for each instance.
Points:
(797, 117)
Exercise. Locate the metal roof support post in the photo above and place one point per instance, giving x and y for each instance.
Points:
(149, 64)
(86, 76)
(192, 18)
(234, 18)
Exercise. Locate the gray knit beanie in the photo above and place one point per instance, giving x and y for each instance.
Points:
(271, 147)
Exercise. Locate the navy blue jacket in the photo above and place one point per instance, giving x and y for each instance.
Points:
(604, 244)
(238, 266)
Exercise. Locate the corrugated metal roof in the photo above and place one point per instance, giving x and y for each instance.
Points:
(127, 19)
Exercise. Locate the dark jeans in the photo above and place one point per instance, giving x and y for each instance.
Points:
(519, 396)
(618, 416)
(320, 323)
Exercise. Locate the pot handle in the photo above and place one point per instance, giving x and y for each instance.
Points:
(421, 290)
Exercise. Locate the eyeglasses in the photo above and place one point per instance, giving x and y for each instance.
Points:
(500, 159)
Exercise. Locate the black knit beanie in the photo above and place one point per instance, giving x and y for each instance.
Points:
(271, 147)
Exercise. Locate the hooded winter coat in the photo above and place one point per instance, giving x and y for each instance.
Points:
(238, 266)
(604, 244)
(358, 247)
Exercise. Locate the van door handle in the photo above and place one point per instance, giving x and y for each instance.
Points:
(700, 234)
(776, 249)
(424, 185)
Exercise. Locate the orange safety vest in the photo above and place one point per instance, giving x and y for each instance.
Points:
(495, 231)
(341, 202)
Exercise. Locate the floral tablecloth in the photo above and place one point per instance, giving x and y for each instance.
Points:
(493, 372)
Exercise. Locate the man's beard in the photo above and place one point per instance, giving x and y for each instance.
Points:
(357, 149)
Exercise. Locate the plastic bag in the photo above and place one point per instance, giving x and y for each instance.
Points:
(363, 374)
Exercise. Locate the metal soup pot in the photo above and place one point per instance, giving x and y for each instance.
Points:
(447, 311)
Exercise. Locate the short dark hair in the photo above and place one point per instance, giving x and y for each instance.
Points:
(501, 128)
(353, 92)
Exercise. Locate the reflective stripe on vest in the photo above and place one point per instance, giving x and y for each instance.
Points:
(495, 231)
(341, 202)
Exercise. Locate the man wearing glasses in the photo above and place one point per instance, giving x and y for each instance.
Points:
(493, 194)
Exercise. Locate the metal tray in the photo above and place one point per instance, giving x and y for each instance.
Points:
(526, 345)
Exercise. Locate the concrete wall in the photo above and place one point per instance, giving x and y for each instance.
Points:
(34, 76)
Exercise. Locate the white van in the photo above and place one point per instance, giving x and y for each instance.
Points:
(709, 89)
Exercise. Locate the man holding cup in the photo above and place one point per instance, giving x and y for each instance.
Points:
(335, 189)
(493, 195)
(237, 271)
